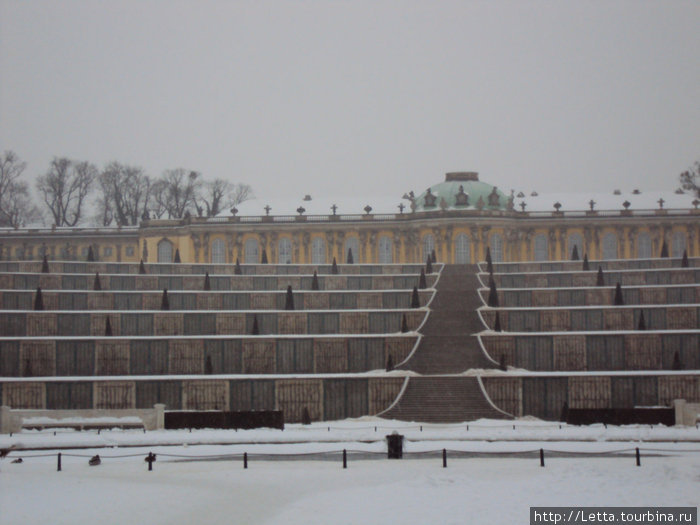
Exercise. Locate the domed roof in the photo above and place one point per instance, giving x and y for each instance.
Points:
(461, 191)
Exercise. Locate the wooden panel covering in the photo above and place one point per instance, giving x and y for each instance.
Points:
(544, 297)
(37, 358)
(186, 356)
(205, 395)
(112, 357)
(24, 395)
(343, 398)
(642, 351)
(398, 349)
(41, 324)
(618, 319)
(354, 323)
(589, 392)
(330, 355)
(335, 282)
(500, 348)
(369, 300)
(259, 356)
(315, 301)
(506, 393)
(652, 295)
(166, 323)
(569, 352)
(114, 394)
(230, 323)
(293, 396)
(679, 387)
(98, 324)
(291, 322)
(555, 320)
(383, 392)
(681, 317)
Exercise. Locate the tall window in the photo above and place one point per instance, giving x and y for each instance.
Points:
(218, 251)
(644, 246)
(251, 252)
(610, 246)
(165, 251)
(462, 249)
(318, 251)
(386, 246)
(575, 239)
(496, 246)
(284, 251)
(541, 247)
(678, 244)
(353, 244)
(428, 245)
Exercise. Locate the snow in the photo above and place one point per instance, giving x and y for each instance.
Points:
(321, 205)
(494, 479)
(646, 200)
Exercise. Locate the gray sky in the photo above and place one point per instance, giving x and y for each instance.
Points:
(350, 97)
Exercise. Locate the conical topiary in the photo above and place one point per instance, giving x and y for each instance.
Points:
(334, 267)
(497, 323)
(493, 294)
(90, 254)
(207, 282)
(289, 302)
(677, 364)
(263, 259)
(45, 265)
(256, 328)
(600, 280)
(664, 249)
(314, 281)
(642, 325)
(97, 285)
(433, 258)
(428, 265)
(142, 268)
(305, 417)
(574, 253)
(208, 366)
(38, 300)
(422, 283)
(415, 300)
(237, 270)
(502, 363)
(164, 302)
(489, 261)
(177, 259)
(108, 327)
(619, 300)
(585, 268)
(389, 363)
(684, 260)
(350, 259)
(404, 324)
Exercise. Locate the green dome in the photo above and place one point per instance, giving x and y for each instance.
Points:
(461, 191)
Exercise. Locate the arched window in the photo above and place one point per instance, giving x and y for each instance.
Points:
(462, 249)
(678, 244)
(284, 251)
(165, 251)
(541, 247)
(251, 252)
(428, 246)
(644, 246)
(386, 246)
(575, 239)
(218, 251)
(610, 246)
(496, 246)
(352, 244)
(318, 251)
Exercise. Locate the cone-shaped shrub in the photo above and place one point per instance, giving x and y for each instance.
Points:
(164, 301)
(45, 265)
(422, 283)
(489, 261)
(642, 325)
(428, 265)
(90, 255)
(142, 268)
(237, 270)
(493, 293)
(574, 253)
(415, 300)
(350, 259)
(664, 249)
(389, 363)
(208, 366)
(38, 300)
(600, 280)
(334, 267)
(502, 363)
(207, 282)
(497, 323)
(619, 300)
(108, 327)
(684, 260)
(177, 259)
(433, 258)
(404, 324)
(586, 268)
(97, 285)
(263, 259)
(677, 365)
(314, 281)
(564, 412)
(256, 329)
(289, 302)
(305, 417)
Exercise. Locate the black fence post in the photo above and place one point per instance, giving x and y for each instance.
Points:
(150, 459)
(541, 457)
(245, 460)
(58, 468)
(444, 458)
(345, 458)
(636, 453)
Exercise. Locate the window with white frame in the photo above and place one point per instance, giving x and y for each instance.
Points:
(575, 239)
(644, 246)
(352, 244)
(386, 246)
(428, 246)
(609, 246)
(462, 249)
(218, 251)
(284, 251)
(251, 255)
(677, 244)
(541, 247)
(496, 246)
(318, 251)
(165, 251)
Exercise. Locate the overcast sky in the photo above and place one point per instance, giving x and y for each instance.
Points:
(351, 97)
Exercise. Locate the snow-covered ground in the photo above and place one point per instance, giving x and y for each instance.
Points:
(200, 477)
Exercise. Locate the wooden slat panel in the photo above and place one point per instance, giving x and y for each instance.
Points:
(296, 395)
(148, 393)
(42, 324)
(37, 358)
(73, 324)
(569, 352)
(555, 320)
(506, 393)
(652, 295)
(680, 318)
(618, 319)
(354, 323)
(205, 395)
(291, 322)
(126, 324)
(199, 323)
(100, 301)
(589, 392)
(544, 397)
(398, 348)
(229, 323)
(642, 351)
(186, 356)
(24, 395)
(208, 301)
(330, 356)
(646, 393)
(259, 356)
(69, 396)
(114, 394)
(112, 357)
(9, 359)
(544, 298)
(678, 387)
(316, 301)
(165, 323)
(75, 358)
(622, 392)
(323, 323)
(149, 357)
(369, 300)
(383, 392)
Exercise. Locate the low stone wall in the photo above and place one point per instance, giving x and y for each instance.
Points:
(687, 414)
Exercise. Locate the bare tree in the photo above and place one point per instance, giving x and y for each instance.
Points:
(175, 192)
(219, 195)
(690, 179)
(125, 192)
(16, 206)
(64, 188)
